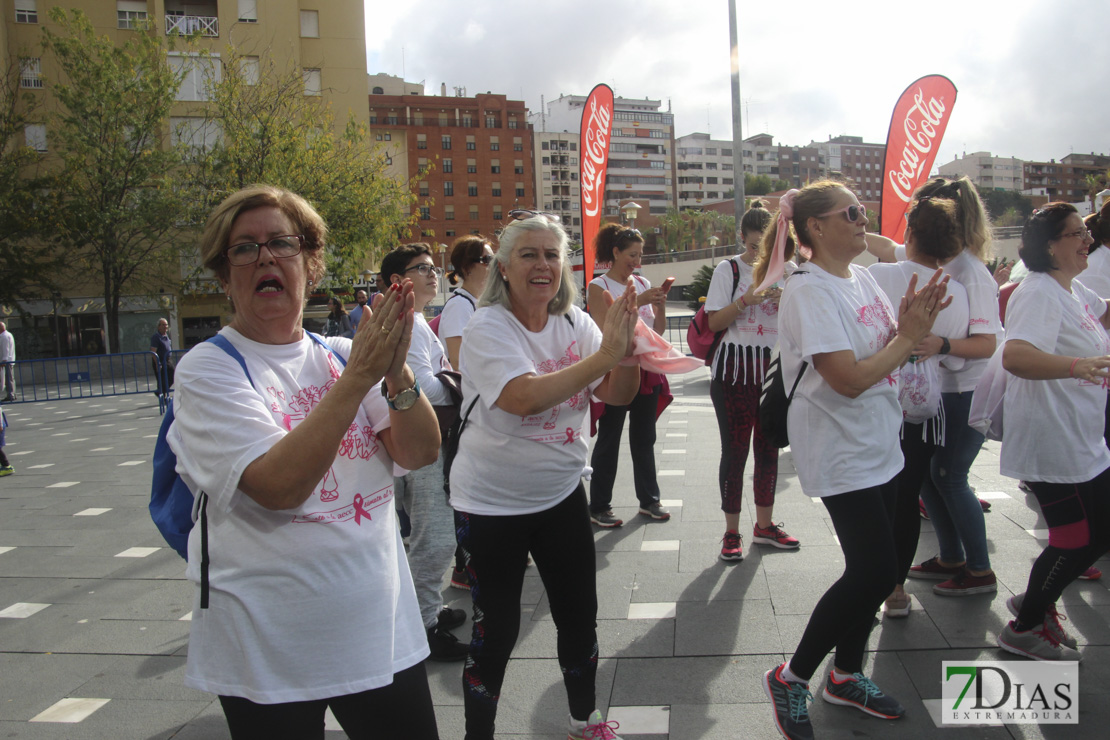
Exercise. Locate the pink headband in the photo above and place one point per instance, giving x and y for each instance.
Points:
(777, 266)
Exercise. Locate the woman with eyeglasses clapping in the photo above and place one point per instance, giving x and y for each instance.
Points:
(530, 360)
(623, 247)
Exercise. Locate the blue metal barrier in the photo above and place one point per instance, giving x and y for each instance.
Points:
(88, 376)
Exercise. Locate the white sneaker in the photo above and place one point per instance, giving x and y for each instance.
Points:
(594, 728)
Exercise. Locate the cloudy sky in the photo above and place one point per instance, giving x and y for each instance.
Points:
(1026, 70)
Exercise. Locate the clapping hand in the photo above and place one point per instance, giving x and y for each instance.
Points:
(619, 326)
(381, 342)
(918, 309)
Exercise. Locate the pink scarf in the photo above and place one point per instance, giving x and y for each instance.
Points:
(777, 266)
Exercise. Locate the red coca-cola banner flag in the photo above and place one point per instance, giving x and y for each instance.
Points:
(916, 129)
(597, 121)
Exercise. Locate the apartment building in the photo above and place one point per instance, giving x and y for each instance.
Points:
(324, 39)
(850, 159)
(986, 171)
(705, 170)
(641, 150)
(557, 186)
(1067, 179)
(476, 154)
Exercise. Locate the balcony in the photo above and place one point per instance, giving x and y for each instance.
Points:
(189, 24)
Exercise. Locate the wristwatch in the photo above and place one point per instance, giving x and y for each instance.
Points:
(404, 400)
(945, 346)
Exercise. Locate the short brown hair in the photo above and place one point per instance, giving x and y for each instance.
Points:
(465, 253)
(305, 220)
(399, 258)
(613, 238)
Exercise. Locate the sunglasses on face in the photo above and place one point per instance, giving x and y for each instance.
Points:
(485, 259)
(521, 214)
(853, 213)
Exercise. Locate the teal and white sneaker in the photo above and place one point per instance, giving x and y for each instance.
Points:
(790, 700)
(860, 692)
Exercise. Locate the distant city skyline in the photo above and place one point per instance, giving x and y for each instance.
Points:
(1028, 75)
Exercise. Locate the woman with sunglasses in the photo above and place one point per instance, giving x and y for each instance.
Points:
(470, 257)
(530, 361)
(304, 599)
(932, 238)
(749, 318)
(432, 538)
(1058, 353)
(963, 566)
(843, 426)
(622, 247)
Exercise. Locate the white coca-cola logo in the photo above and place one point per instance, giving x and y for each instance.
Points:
(920, 128)
(595, 150)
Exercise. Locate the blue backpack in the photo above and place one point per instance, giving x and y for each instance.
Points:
(171, 501)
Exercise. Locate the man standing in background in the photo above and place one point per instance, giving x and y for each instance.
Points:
(7, 360)
(356, 312)
(163, 365)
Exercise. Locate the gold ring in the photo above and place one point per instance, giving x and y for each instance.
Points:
(385, 329)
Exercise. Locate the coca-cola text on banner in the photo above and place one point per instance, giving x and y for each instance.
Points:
(916, 129)
(597, 122)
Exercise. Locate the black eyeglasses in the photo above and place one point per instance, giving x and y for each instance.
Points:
(521, 214)
(287, 245)
(852, 212)
(425, 269)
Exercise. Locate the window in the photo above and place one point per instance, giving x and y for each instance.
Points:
(450, 232)
(194, 132)
(518, 144)
(377, 91)
(424, 189)
(448, 166)
(418, 119)
(198, 74)
(448, 188)
(35, 136)
(448, 213)
(248, 11)
(518, 167)
(472, 189)
(249, 69)
(310, 24)
(471, 166)
(491, 121)
(443, 119)
(312, 82)
(30, 72)
(495, 166)
(520, 190)
(546, 160)
(471, 144)
(421, 162)
(388, 136)
(425, 213)
(496, 190)
(545, 146)
(445, 141)
(130, 14)
(468, 121)
(27, 12)
(474, 213)
(494, 144)
(421, 141)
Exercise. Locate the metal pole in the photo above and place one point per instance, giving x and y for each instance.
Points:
(737, 136)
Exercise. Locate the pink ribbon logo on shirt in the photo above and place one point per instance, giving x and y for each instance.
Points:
(359, 511)
(570, 436)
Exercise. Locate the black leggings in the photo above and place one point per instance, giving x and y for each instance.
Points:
(843, 617)
(918, 453)
(401, 709)
(641, 443)
(562, 544)
(1078, 519)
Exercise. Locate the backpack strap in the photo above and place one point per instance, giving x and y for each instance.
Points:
(796, 381)
(316, 338)
(223, 343)
(735, 274)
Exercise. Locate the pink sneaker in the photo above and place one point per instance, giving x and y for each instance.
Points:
(1091, 574)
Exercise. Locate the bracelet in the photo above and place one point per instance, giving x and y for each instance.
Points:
(1071, 370)
(743, 304)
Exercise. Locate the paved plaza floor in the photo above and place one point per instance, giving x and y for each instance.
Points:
(94, 609)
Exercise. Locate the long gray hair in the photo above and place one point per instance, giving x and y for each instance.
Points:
(497, 289)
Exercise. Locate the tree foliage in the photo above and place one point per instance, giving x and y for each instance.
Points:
(763, 184)
(698, 288)
(999, 202)
(27, 272)
(111, 197)
(267, 130)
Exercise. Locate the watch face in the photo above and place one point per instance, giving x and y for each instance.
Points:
(406, 399)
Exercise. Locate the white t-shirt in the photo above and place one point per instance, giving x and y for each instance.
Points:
(1097, 275)
(7, 346)
(456, 312)
(1054, 427)
(426, 358)
(840, 444)
(508, 464)
(952, 322)
(647, 312)
(982, 301)
(756, 326)
(308, 603)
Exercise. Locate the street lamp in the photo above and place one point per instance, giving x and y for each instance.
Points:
(713, 241)
(630, 211)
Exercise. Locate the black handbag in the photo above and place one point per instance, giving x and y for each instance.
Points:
(774, 403)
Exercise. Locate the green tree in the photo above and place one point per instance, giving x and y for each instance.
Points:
(1095, 185)
(112, 198)
(779, 185)
(675, 230)
(998, 202)
(265, 129)
(27, 272)
(757, 184)
(698, 288)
